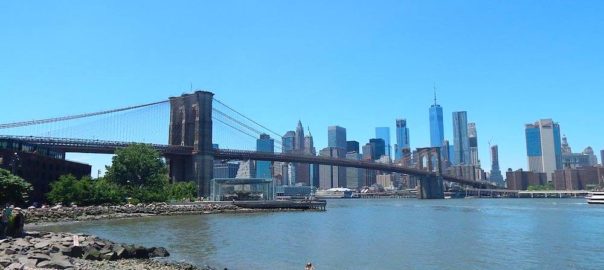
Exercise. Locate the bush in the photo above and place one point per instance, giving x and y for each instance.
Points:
(13, 189)
(68, 189)
(182, 191)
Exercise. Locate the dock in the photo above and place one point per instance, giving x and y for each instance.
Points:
(319, 205)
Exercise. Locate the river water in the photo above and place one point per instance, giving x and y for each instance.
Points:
(380, 234)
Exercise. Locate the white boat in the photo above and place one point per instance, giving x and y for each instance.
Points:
(334, 193)
(595, 197)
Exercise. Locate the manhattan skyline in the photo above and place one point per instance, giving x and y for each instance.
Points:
(506, 67)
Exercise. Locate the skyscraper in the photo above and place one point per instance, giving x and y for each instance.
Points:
(336, 137)
(264, 144)
(495, 175)
(384, 134)
(377, 148)
(299, 139)
(460, 138)
(544, 147)
(437, 130)
(473, 143)
(288, 142)
(352, 146)
(332, 176)
(402, 138)
(309, 145)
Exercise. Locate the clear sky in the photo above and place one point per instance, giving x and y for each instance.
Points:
(358, 64)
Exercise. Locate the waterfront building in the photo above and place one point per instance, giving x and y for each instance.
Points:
(544, 147)
(583, 178)
(332, 176)
(263, 168)
(384, 134)
(352, 147)
(280, 173)
(385, 181)
(473, 143)
(336, 137)
(521, 180)
(355, 177)
(402, 138)
(602, 157)
(437, 130)
(247, 169)
(226, 170)
(378, 148)
(470, 172)
(461, 141)
(38, 165)
(495, 175)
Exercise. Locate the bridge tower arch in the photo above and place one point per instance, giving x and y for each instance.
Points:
(430, 187)
(191, 125)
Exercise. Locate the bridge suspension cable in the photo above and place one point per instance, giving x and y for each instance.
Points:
(249, 119)
(72, 117)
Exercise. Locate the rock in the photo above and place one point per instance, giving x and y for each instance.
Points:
(9, 251)
(22, 243)
(42, 244)
(141, 253)
(73, 251)
(39, 257)
(92, 254)
(120, 251)
(31, 263)
(14, 266)
(55, 264)
(158, 252)
(111, 256)
(4, 262)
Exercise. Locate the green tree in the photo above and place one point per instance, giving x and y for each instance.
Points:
(63, 190)
(182, 191)
(68, 189)
(13, 189)
(137, 166)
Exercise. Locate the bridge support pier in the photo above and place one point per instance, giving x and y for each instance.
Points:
(431, 188)
(191, 125)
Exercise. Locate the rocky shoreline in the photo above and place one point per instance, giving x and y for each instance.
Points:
(47, 250)
(86, 213)
(40, 216)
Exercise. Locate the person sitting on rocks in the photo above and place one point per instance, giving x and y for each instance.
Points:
(7, 213)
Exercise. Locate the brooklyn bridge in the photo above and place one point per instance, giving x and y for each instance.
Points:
(196, 122)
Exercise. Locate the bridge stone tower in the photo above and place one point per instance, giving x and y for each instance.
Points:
(430, 187)
(191, 125)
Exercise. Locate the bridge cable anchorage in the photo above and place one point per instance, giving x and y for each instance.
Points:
(71, 117)
(242, 115)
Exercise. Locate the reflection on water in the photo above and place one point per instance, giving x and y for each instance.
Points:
(380, 234)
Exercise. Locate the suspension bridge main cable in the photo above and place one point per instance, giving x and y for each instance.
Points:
(71, 117)
(242, 124)
(251, 120)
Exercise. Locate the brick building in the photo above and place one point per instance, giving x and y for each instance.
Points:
(520, 180)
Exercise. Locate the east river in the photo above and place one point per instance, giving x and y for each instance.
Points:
(380, 234)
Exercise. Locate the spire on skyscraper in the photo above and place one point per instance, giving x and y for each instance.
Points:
(435, 94)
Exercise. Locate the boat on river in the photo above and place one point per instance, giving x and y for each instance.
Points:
(595, 197)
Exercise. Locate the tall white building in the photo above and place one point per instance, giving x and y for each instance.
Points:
(544, 147)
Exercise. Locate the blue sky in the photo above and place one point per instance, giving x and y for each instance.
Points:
(358, 64)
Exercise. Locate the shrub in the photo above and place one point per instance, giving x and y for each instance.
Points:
(13, 189)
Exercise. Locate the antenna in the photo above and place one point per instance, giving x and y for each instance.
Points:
(434, 94)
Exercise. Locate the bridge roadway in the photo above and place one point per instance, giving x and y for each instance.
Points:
(109, 147)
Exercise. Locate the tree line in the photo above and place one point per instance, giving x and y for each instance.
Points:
(137, 174)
